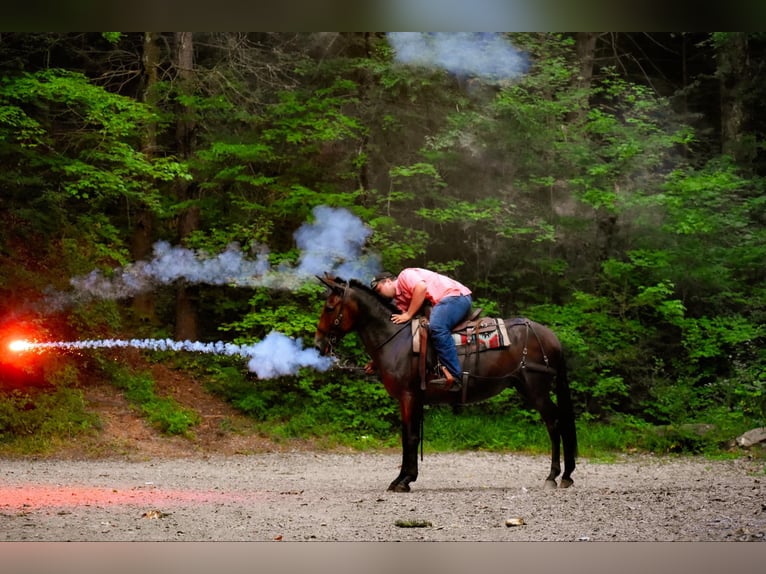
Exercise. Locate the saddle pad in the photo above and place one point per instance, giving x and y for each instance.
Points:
(486, 334)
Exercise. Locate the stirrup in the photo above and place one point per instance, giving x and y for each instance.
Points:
(443, 382)
(449, 382)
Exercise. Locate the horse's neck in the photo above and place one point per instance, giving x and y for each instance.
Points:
(389, 344)
(375, 327)
(376, 331)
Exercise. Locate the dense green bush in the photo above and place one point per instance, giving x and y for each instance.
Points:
(34, 421)
(337, 404)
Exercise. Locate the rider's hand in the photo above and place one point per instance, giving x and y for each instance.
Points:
(369, 368)
(401, 318)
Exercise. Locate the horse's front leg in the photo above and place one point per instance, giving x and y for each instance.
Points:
(412, 414)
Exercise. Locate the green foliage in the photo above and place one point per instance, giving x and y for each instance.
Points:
(34, 422)
(522, 431)
(473, 429)
(163, 413)
(294, 314)
(397, 244)
(311, 404)
(586, 204)
(598, 347)
(82, 143)
(695, 200)
(112, 37)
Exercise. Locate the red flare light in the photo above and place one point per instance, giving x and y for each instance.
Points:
(19, 345)
(20, 367)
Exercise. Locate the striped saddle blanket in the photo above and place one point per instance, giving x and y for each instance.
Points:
(484, 333)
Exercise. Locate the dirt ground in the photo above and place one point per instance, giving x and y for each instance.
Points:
(129, 483)
(305, 496)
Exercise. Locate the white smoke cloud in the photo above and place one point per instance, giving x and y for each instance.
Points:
(277, 355)
(168, 265)
(333, 243)
(274, 356)
(487, 55)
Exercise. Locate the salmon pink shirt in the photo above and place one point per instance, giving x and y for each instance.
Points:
(437, 286)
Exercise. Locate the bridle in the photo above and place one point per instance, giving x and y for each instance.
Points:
(335, 333)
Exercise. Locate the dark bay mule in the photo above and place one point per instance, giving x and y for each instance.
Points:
(533, 363)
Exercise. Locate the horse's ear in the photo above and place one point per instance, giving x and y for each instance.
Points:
(324, 280)
(330, 282)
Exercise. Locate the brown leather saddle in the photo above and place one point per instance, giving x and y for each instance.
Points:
(473, 334)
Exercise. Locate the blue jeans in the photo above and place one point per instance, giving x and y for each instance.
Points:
(446, 314)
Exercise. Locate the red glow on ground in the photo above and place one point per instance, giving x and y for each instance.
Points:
(32, 497)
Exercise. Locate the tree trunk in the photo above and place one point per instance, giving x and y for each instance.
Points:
(586, 55)
(142, 238)
(734, 75)
(187, 321)
(585, 43)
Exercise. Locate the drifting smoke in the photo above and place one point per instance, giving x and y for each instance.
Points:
(171, 264)
(276, 355)
(488, 55)
(334, 243)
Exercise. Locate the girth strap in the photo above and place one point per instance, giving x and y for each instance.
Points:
(423, 358)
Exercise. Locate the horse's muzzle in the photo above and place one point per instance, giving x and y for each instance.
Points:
(321, 343)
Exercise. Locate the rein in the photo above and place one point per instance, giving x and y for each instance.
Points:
(391, 337)
(334, 331)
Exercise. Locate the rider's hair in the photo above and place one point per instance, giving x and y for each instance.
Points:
(380, 277)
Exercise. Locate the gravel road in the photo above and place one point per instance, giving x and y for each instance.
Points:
(306, 496)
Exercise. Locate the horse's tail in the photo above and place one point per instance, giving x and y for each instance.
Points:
(566, 410)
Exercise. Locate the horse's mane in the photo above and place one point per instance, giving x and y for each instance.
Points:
(387, 303)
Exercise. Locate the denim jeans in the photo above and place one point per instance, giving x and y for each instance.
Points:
(446, 314)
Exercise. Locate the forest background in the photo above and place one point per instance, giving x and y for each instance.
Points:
(609, 185)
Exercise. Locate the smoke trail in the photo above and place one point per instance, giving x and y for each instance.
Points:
(333, 243)
(171, 264)
(488, 55)
(274, 356)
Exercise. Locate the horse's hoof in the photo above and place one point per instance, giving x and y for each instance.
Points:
(566, 483)
(399, 487)
(550, 484)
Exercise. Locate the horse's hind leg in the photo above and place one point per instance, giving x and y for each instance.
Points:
(570, 449)
(549, 416)
(537, 392)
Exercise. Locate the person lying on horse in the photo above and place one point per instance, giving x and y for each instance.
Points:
(451, 302)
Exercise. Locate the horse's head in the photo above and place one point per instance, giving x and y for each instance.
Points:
(338, 315)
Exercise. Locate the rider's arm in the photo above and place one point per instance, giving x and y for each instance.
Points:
(416, 301)
(418, 296)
